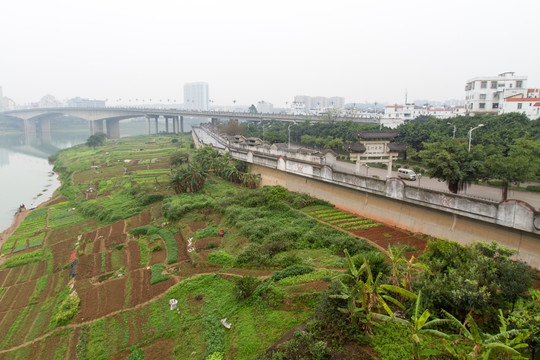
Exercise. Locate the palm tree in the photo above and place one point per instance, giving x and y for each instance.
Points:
(250, 180)
(177, 182)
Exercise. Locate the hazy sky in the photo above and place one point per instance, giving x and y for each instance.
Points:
(262, 50)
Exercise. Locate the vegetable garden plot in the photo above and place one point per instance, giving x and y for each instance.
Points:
(142, 291)
(102, 299)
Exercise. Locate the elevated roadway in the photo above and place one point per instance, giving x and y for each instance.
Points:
(38, 120)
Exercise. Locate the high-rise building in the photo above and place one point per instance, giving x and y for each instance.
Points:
(303, 100)
(336, 102)
(196, 96)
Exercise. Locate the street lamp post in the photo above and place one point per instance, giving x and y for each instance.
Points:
(454, 135)
(470, 134)
(367, 169)
(289, 128)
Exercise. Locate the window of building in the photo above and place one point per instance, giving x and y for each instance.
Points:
(482, 96)
(483, 85)
(482, 105)
(519, 83)
(495, 105)
(520, 105)
(493, 84)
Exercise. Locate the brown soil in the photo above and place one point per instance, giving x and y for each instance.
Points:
(134, 256)
(160, 349)
(386, 235)
(158, 257)
(205, 242)
(194, 226)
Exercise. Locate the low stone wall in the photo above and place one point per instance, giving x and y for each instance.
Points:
(456, 217)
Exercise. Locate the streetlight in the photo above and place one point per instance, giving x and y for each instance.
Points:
(470, 134)
(367, 169)
(289, 128)
(449, 123)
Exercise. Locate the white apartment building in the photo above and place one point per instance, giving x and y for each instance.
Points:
(304, 104)
(395, 115)
(527, 103)
(484, 95)
(196, 96)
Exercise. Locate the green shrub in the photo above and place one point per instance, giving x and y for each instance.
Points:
(144, 230)
(245, 286)
(269, 293)
(209, 231)
(144, 199)
(174, 207)
(292, 270)
(157, 275)
(534, 188)
(303, 345)
(220, 257)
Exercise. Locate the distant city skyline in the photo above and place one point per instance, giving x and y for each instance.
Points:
(251, 52)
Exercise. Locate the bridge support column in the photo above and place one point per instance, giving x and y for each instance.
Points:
(29, 131)
(44, 130)
(181, 124)
(157, 128)
(98, 126)
(166, 124)
(148, 122)
(175, 124)
(214, 121)
(113, 128)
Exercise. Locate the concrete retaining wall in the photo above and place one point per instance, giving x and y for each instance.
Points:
(514, 224)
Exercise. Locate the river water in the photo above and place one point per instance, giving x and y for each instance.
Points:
(26, 176)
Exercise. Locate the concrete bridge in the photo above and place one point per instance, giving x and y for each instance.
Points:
(37, 121)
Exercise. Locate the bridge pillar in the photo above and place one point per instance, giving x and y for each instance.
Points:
(214, 121)
(175, 124)
(157, 128)
(29, 127)
(148, 122)
(166, 124)
(44, 130)
(181, 124)
(98, 126)
(113, 128)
